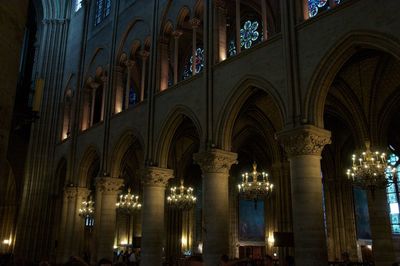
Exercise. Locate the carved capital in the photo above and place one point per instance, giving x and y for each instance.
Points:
(215, 161)
(305, 140)
(144, 54)
(156, 176)
(82, 192)
(130, 63)
(177, 34)
(70, 192)
(195, 22)
(109, 184)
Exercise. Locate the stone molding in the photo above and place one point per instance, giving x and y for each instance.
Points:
(215, 161)
(304, 140)
(109, 184)
(156, 176)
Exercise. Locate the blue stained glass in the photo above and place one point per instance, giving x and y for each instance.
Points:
(394, 218)
(315, 5)
(396, 229)
(232, 48)
(391, 188)
(108, 8)
(199, 64)
(199, 60)
(248, 34)
(393, 159)
(132, 96)
(392, 198)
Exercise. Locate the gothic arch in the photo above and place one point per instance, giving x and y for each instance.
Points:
(330, 64)
(231, 108)
(128, 138)
(180, 18)
(89, 157)
(124, 40)
(168, 129)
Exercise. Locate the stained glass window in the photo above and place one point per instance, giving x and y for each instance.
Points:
(316, 6)
(108, 7)
(199, 64)
(77, 5)
(249, 34)
(232, 48)
(103, 9)
(393, 193)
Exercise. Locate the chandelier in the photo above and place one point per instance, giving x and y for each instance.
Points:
(128, 202)
(255, 185)
(87, 209)
(181, 198)
(369, 169)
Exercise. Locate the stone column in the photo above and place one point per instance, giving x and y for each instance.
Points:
(264, 19)
(67, 222)
(93, 101)
(144, 55)
(195, 22)
(104, 80)
(220, 30)
(215, 165)
(237, 21)
(280, 172)
(107, 189)
(176, 34)
(381, 232)
(129, 65)
(164, 63)
(154, 182)
(119, 88)
(303, 146)
(79, 223)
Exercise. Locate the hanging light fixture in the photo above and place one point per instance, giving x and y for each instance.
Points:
(369, 169)
(181, 198)
(128, 202)
(255, 185)
(87, 209)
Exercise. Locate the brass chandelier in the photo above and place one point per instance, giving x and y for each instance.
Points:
(369, 169)
(87, 209)
(255, 185)
(128, 202)
(181, 198)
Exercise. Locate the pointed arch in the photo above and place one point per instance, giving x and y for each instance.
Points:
(128, 139)
(184, 12)
(330, 64)
(168, 129)
(231, 108)
(90, 156)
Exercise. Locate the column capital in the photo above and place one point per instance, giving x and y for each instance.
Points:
(220, 4)
(304, 140)
(195, 22)
(215, 160)
(144, 54)
(82, 192)
(70, 192)
(177, 34)
(109, 184)
(129, 63)
(156, 176)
